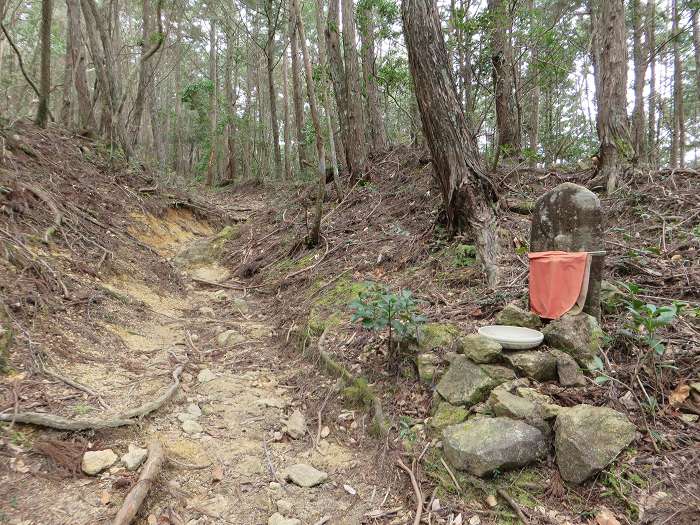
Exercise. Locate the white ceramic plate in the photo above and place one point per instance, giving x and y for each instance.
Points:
(513, 337)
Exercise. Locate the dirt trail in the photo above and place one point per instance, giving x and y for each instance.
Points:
(228, 421)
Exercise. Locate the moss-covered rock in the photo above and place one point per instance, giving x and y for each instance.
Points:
(514, 315)
(466, 383)
(479, 349)
(427, 365)
(447, 414)
(535, 364)
(437, 335)
(206, 250)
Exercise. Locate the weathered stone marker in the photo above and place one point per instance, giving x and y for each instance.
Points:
(569, 218)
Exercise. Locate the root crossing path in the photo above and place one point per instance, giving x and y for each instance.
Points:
(241, 440)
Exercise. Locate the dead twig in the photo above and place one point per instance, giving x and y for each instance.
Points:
(138, 493)
(416, 490)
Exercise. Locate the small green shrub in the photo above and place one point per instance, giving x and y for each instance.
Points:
(646, 318)
(465, 255)
(379, 309)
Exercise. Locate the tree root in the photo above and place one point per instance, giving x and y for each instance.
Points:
(129, 417)
(138, 493)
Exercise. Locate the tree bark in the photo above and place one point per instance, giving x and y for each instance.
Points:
(650, 27)
(678, 132)
(695, 14)
(86, 116)
(356, 146)
(230, 174)
(67, 112)
(315, 233)
(325, 95)
(640, 67)
(297, 93)
(270, 56)
(507, 122)
(610, 66)
(468, 194)
(42, 114)
(337, 72)
(110, 83)
(213, 114)
(287, 127)
(376, 129)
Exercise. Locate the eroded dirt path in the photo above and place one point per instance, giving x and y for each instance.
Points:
(224, 433)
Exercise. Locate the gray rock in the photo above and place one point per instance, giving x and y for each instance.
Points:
(95, 461)
(194, 409)
(133, 459)
(479, 349)
(427, 364)
(191, 427)
(483, 445)
(578, 335)
(205, 376)
(539, 364)
(568, 370)
(229, 337)
(513, 315)
(186, 416)
(588, 438)
(241, 305)
(278, 519)
(305, 475)
(505, 404)
(569, 218)
(296, 425)
(466, 383)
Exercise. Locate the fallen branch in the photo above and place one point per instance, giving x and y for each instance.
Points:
(138, 493)
(127, 418)
(416, 490)
(513, 505)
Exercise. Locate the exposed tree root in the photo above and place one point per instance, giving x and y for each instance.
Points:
(138, 493)
(126, 418)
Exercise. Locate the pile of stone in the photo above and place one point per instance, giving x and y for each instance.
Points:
(490, 416)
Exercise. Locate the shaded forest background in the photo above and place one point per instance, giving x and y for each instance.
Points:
(217, 91)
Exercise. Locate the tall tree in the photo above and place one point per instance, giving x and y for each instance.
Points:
(315, 233)
(356, 146)
(639, 56)
(213, 104)
(507, 122)
(297, 92)
(467, 193)
(150, 44)
(377, 133)
(337, 72)
(695, 14)
(650, 28)
(42, 114)
(272, 15)
(86, 116)
(287, 130)
(324, 94)
(610, 66)
(678, 128)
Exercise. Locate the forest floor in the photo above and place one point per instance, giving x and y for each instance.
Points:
(112, 283)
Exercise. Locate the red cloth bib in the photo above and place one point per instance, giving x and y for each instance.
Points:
(558, 282)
